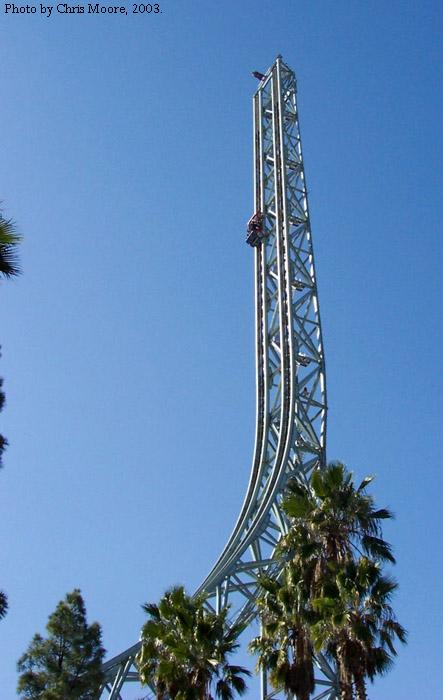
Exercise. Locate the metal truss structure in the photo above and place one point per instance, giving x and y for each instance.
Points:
(291, 392)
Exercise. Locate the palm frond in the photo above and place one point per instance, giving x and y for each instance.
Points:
(9, 239)
(366, 481)
(378, 548)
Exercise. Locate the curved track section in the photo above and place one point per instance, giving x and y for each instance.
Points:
(291, 391)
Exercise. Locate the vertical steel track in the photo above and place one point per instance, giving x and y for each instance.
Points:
(291, 391)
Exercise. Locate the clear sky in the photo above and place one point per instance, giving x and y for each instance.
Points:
(126, 159)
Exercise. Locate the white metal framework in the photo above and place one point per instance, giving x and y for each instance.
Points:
(291, 391)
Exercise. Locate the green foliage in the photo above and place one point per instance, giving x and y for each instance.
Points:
(9, 239)
(335, 517)
(185, 650)
(284, 647)
(332, 593)
(67, 664)
(356, 623)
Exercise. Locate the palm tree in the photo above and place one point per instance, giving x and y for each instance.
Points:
(9, 239)
(332, 520)
(284, 646)
(185, 650)
(357, 625)
(332, 523)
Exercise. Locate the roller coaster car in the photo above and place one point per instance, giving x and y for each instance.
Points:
(255, 229)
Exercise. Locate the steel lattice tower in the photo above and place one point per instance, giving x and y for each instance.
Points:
(290, 382)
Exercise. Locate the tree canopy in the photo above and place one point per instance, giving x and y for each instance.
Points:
(67, 664)
(332, 596)
(185, 650)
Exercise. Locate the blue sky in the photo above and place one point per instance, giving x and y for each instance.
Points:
(126, 160)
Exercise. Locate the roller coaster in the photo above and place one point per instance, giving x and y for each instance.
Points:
(291, 403)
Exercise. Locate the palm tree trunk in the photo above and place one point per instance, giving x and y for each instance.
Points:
(360, 686)
(345, 678)
(301, 673)
(302, 692)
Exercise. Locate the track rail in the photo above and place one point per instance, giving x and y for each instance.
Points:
(290, 383)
